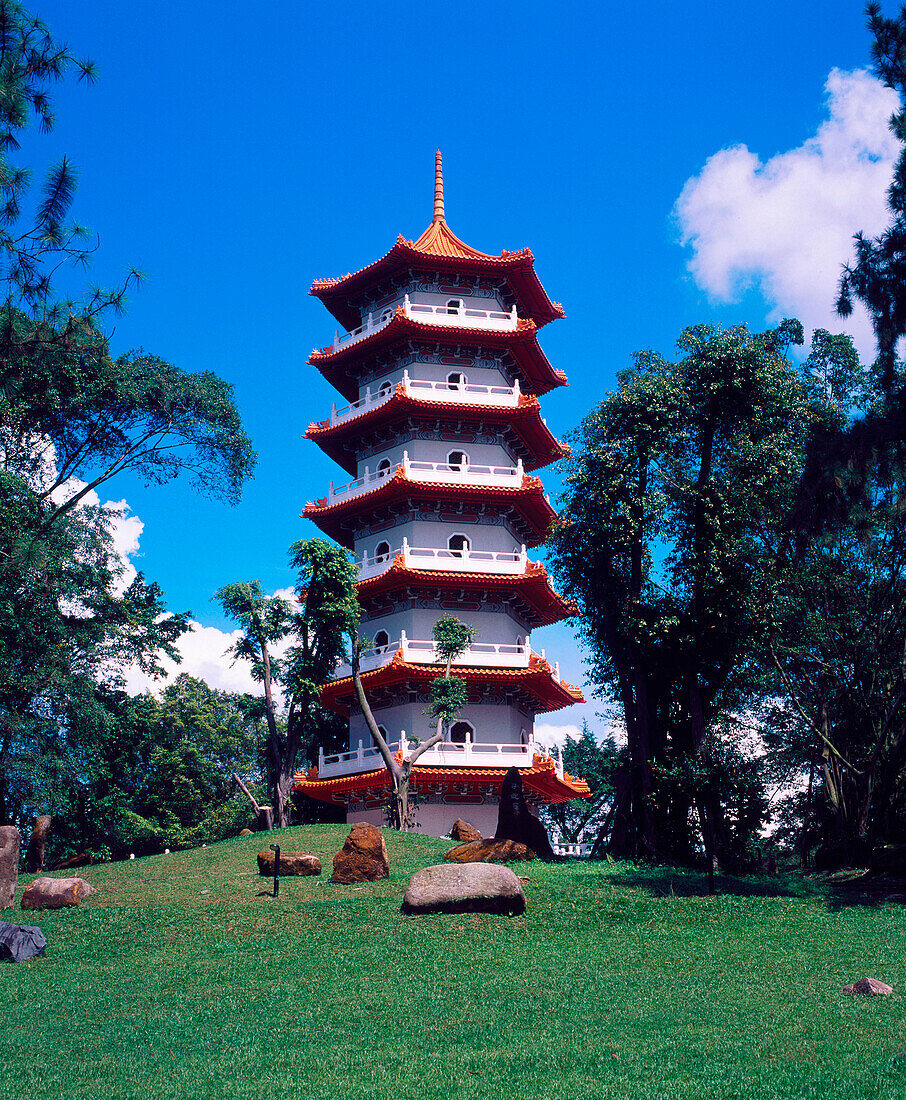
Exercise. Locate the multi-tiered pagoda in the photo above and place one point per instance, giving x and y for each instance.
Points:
(442, 369)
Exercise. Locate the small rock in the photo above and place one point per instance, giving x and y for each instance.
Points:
(363, 857)
(464, 832)
(869, 987)
(473, 888)
(9, 864)
(488, 851)
(55, 893)
(20, 942)
(291, 863)
(37, 842)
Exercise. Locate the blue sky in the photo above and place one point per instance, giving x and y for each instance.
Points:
(234, 153)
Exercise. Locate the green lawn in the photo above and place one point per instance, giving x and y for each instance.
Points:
(178, 979)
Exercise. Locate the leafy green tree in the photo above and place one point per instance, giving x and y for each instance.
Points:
(671, 516)
(314, 632)
(448, 695)
(597, 763)
(839, 648)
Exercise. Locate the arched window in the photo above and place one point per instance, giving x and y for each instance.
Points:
(386, 315)
(456, 380)
(458, 543)
(382, 551)
(458, 460)
(524, 737)
(520, 640)
(383, 467)
(462, 733)
(454, 305)
(381, 641)
(384, 388)
(382, 730)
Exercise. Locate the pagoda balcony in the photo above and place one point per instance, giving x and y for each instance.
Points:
(450, 393)
(448, 561)
(424, 652)
(491, 320)
(454, 754)
(444, 473)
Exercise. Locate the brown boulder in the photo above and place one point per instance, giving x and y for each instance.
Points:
(464, 832)
(9, 864)
(471, 888)
(488, 851)
(363, 857)
(55, 893)
(37, 842)
(245, 832)
(291, 863)
(869, 987)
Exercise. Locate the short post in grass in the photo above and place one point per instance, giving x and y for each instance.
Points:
(275, 848)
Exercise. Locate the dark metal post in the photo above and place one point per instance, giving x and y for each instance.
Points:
(275, 848)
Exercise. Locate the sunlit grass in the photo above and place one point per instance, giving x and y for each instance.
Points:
(181, 978)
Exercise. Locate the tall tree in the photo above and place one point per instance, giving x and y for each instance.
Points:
(313, 634)
(448, 695)
(674, 498)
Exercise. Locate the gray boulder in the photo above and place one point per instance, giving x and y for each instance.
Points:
(464, 888)
(20, 942)
(9, 864)
(55, 893)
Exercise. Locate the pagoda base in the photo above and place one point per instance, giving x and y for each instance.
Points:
(438, 819)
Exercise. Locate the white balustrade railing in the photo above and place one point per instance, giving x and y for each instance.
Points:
(475, 753)
(443, 560)
(447, 473)
(459, 393)
(575, 849)
(419, 651)
(459, 317)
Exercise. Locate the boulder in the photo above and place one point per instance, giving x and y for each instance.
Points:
(245, 832)
(473, 888)
(464, 832)
(291, 863)
(488, 851)
(20, 942)
(869, 987)
(55, 893)
(888, 860)
(516, 822)
(363, 857)
(9, 864)
(80, 860)
(37, 842)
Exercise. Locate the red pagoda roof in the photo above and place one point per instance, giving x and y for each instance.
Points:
(533, 586)
(537, 681)
(438, 248)
(541, 778)
(521, 342)
(529, 500)
(542, 446)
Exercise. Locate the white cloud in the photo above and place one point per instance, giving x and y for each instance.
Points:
(785, 226)
(553, 737)
(204, 655)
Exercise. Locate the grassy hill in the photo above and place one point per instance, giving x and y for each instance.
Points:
(180, 979)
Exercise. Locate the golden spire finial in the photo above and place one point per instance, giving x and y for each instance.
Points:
(438, 188)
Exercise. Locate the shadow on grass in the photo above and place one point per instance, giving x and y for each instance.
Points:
(669, 881)
(837, 891)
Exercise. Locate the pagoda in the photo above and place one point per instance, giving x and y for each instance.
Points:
(442, 370)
